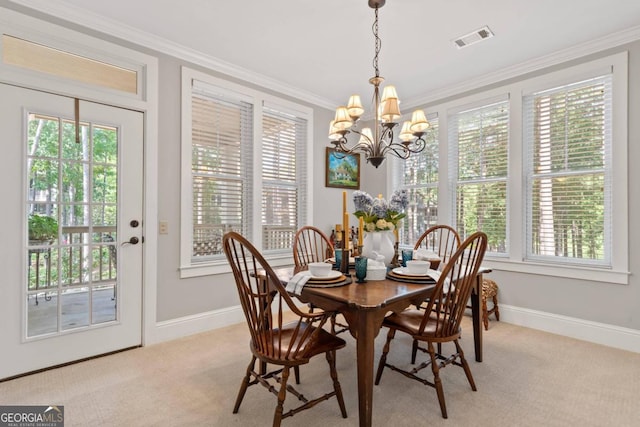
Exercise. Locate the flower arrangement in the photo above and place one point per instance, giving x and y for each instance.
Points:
(377, 214)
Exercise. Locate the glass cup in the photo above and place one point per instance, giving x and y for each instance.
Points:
(338, 256)
(361, 268)
(407, 255)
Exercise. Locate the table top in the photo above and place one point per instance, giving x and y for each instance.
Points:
(371, 294)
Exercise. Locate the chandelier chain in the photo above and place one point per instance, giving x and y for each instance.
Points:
(378, 43)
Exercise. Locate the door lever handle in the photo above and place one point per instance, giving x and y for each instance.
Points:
(132, 241)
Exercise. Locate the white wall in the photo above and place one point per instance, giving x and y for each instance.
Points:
(562, 305)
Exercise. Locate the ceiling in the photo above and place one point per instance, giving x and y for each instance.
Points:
(325, 47)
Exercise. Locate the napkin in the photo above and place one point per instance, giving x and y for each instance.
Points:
(376, 261)
(435, 275)
(425, 254)
(297, 282)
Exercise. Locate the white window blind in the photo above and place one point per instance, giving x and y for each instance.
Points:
(567, 136)
(479, 139)
(419, 176)
(284, 185)
(222, 138)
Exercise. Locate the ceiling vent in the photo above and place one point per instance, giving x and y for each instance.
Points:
(474, 37)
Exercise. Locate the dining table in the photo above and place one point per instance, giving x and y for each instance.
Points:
(364, 306)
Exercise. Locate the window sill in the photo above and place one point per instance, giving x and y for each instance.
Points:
(222, 266)
(569, 272)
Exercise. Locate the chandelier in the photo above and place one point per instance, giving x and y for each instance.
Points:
(378, 143)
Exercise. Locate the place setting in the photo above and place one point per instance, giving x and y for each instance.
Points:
(320, 275)
(416, 271)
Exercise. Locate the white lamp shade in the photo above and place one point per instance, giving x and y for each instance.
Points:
(419, 121)
(354, 108)
(406, 134)
(389, 92)
(342, 120)
(390, 110)
(333, 132)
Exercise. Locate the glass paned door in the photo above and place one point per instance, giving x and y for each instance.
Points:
(73, 252)
(71, 210)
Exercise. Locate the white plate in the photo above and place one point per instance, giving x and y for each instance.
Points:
(333, 274)
(404, 271)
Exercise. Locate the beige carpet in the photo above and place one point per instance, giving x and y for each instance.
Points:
(528, 378)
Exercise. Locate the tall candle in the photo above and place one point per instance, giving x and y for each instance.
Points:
(344, 202)
(360, 230)
(380, 196)
(346, 229)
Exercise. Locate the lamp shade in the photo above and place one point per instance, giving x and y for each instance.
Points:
(333, 132)
(389, 92)
(419, 121)
(406, 134)
(354, 107)
(390, 110)
(342, 120)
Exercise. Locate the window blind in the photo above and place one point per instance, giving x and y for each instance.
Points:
(568, 171)
(284, 185)
(479, 142)
(419, 175)
(221, 164)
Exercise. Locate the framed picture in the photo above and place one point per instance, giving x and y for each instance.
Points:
(342, 170)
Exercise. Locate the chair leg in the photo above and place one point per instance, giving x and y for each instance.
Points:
(244, 385)
(277, 417)
(495, 307)
(383, 357)
(331, 358)
(296, 373)
(414, 351)
(333, 324)
(435, 368)
(465, 366)
(485, 314)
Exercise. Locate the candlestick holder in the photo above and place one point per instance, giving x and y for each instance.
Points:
(395, 261)
(344, 265)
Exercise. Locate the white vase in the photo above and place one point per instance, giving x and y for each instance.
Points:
(380, 242)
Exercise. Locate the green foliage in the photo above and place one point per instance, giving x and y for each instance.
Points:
(43, 228)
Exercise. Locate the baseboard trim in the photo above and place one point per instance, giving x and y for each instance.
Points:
(195, 324)
(586, 330)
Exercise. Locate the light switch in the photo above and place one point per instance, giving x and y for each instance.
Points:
(163, 227)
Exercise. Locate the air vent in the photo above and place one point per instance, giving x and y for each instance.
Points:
(474, 37)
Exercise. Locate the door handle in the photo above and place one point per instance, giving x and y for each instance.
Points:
(132, 241)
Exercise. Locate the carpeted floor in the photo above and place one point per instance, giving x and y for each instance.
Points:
(528, 378)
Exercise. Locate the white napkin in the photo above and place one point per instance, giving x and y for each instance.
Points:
(376, 262)
(425, 254)
(297, 282)
(435, 275)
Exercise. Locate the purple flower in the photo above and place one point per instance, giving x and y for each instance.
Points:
(362, 201)
(399, 201)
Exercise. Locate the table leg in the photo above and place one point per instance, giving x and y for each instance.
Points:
(368, 326)
(477, 318)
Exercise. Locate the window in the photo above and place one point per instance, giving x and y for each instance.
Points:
(419, 176)
(539, 165)
(479, 140)
(568, 172)
(247, 152)
(283, 183)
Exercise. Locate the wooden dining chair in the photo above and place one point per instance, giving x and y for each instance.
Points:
(441, 239)
(440, 322)
(310, 244)
(274, 341)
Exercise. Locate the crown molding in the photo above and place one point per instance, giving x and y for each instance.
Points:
(578, 51)
(67, 12)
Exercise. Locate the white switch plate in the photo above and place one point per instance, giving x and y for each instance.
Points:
(163, 227)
